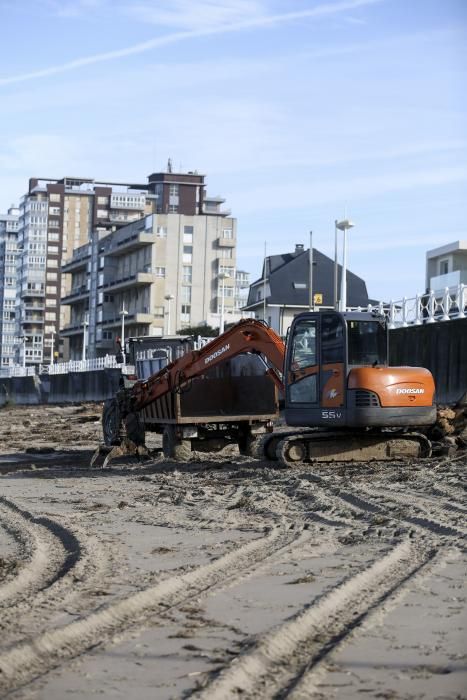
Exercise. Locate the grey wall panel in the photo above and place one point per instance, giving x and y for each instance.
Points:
(440, 347)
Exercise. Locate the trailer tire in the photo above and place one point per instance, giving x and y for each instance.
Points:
(112, 423)
(173, 447)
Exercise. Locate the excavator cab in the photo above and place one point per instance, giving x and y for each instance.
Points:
(337, 375)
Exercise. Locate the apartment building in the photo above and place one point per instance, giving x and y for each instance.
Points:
(9, 342)
(55, 218)
(173, 269)
(446, 266)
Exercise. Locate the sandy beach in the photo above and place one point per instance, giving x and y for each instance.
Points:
(224, 577)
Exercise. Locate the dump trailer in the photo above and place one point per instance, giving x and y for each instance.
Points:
(200, 399)
(333, 375)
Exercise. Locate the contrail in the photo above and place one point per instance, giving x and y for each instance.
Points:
(318, 11)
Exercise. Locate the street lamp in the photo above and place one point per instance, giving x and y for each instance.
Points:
(85, 326)
(168, 298)
(222, 276)
(52, 347)
(23, 339)
(344, 226)
(123, 313)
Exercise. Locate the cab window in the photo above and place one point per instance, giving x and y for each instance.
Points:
(304, 345)
(332, 339)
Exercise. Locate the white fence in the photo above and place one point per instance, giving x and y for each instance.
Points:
(431, 307)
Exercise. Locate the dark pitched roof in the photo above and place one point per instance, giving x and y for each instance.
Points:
(289, 272)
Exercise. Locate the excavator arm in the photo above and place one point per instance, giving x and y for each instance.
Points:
(248, 335)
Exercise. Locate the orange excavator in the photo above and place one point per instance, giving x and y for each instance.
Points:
(342, 401)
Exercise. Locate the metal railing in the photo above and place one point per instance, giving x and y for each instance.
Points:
(432, 306)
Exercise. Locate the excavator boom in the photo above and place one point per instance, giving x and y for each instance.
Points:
(249, 335)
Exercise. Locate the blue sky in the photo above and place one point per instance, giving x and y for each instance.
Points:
(296, 111)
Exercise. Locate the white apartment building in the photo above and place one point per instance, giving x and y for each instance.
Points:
(171, 270)
(446, 266)
(55, 218)
(9, 342)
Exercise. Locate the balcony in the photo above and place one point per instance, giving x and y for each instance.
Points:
(76, 294)
(130, 243)
(140, 279)
(139, 317)
(25, 293)
(78, 262)
(226, 242)
(34, 307)
(450, 279)
(71, 329)
(32, 320)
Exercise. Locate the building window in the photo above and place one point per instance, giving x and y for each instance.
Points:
(160, 271)
(102, 200)
(187, 274)
(51, 289)
(173, 190)
(185, 313)
(54, 197)
(161, 232)
(227, 233)
(443, 267)
(173, 208)
(158, 312)
(188, 254)
(50, 316)
(227, 253)
(259, 295)
(186, 295)
(188, 237)
(52, 276)
(188, 229)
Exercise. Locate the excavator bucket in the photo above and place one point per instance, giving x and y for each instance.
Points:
(106, 453)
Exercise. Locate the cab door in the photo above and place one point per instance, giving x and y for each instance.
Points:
(332, 370)
(302, 371)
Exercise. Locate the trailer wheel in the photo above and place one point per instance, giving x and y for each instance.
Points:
(173, 447)
(135, 429)
(111, 423)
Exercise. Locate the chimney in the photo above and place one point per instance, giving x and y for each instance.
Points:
(299, 247)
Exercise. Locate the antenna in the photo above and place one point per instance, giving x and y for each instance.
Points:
(169, 165)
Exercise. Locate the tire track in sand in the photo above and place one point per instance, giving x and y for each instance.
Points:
(273, 666)
(383, 504)
(49, 550)
(59, 563)
(27, 661)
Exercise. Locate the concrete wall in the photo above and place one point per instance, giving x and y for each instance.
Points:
(440, 347)
(75, 387)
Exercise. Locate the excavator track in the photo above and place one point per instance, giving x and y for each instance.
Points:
(321, 446)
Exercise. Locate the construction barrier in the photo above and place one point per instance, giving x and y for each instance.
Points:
(75, 387)
(441, 348)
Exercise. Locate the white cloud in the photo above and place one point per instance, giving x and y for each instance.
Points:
(317, 12)
(298, 194)
(190, 15)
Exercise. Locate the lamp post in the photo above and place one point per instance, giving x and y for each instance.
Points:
(52, 348)
(344, 226)
(85, 333)
(222, 276)
(123, 313)
(312, 303)
(168, 298)
(24, 339)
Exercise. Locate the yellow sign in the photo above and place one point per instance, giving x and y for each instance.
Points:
(317, 298)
